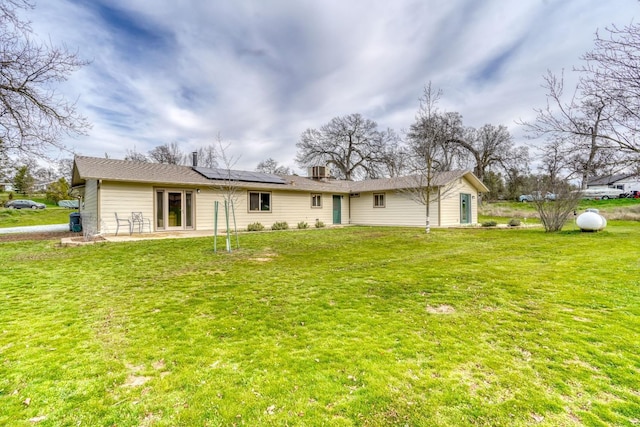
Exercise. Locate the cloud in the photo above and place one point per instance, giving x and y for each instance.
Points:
(260, 73)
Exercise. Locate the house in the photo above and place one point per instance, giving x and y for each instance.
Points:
(183, 197)
(41, 186)
(626, 182)
(6, 186)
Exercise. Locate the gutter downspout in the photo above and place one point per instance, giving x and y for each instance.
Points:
(98, 204)
(440, 207)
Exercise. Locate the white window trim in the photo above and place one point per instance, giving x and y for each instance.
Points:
(249, 193)
(384, 200)
(313, 196)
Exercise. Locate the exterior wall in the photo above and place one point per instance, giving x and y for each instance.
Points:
(629, 184)
(89, 207)
(450, 203)
(289, 206)
(123, 198)
(399, 210)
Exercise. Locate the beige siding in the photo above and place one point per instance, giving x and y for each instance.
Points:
(399, 210)
(450, 206)
(124, 198)
(291, 207)
(90, 204)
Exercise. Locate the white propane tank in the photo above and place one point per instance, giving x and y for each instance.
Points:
(591, 220)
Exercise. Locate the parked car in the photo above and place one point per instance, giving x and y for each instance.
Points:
(536, 195)
(24, 204)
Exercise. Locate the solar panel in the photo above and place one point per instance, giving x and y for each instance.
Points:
(236, 175)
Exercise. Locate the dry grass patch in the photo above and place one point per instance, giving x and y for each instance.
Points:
(441, 309)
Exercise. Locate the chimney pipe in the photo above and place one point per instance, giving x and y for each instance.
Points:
(194, 158)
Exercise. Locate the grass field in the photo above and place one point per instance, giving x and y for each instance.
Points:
(614, 209)
(353, 326)
(25, 217)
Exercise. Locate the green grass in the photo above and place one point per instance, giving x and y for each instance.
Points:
(25, 217)
(353, 326)
(613, 209)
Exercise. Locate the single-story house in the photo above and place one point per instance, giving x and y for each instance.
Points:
(626, 182)
(177, 197)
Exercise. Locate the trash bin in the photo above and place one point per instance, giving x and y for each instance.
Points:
(75, 222)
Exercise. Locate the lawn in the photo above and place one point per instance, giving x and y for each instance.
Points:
(25, 217)
(352, 326)
(52, 214)
(502, 212)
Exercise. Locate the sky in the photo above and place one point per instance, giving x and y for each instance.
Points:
(257, 73)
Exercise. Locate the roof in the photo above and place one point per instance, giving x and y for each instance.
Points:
(163, 174)
(609, 179)
(403, 182)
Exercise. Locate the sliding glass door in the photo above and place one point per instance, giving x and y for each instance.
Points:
(174, 209)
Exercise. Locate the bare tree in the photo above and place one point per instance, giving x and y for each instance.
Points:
(33, 117)
(426, 140)
(395, 159)
(553, 161)
(613, 70)
(135, 156)
(6, 169)
(554, 198)
(228, 187)
(207, 156)
(582, 125)
(64, 168)
(351, 144)
(488, 145)
(168, 154)
(453, 133)
(515, 165)
(271, 166)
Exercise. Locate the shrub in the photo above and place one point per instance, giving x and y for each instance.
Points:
(256, 226)
(489, 224)
(57, 191)
(280, 225)
(514, 223)
(319, 224)
(302, 225)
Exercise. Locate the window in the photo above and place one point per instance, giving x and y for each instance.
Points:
(378, 200)
(316, 200)
(259, 202)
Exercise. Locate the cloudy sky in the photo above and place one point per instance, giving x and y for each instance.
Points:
(260, 72)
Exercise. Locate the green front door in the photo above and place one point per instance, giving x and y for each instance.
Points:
(465, 208)
(337, 210)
